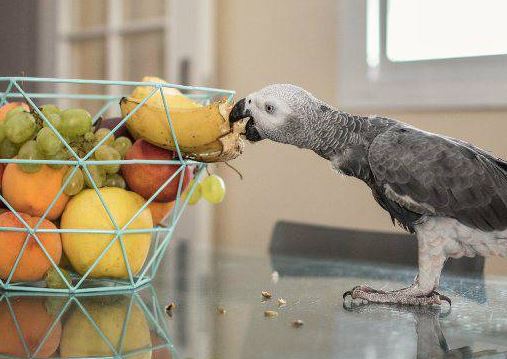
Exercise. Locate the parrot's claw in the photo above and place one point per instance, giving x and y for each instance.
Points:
(395, 297)
(347, 293)
(443, 297)
(362, 288)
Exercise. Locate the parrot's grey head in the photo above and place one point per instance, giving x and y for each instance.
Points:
(280, 112)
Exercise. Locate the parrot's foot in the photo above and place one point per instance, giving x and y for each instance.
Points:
(395, 297)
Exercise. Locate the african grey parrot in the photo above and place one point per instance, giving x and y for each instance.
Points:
(450, 193)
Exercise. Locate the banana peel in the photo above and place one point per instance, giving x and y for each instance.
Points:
(203, 132)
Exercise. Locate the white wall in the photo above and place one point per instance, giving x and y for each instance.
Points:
(261, 42)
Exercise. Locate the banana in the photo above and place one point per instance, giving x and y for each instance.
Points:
(203, 133)
(173, 96)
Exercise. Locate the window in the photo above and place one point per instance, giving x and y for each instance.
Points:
(126, 40)
(423, 53)
(431, 30)
(112, 39)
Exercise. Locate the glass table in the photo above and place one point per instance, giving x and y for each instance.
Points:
(137, 325)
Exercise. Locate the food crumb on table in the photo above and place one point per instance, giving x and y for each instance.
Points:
(270, 314)
(266, 295)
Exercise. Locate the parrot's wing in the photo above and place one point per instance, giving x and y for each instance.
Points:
(434, 175)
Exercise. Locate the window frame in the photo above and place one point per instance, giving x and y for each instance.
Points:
(112, 33)
(469, 82)
(189, 38)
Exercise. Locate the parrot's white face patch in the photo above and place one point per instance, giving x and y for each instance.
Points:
(268, 111)
(281, 113)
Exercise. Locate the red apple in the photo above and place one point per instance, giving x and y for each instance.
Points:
(146, 179)
(163, 352)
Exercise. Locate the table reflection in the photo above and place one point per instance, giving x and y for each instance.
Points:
(430, 339)
(114, 325)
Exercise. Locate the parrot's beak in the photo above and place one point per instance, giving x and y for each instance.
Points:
(239, 112)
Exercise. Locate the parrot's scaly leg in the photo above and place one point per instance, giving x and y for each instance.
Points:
(423, 290)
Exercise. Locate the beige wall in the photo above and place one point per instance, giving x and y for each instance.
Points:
(296, 41)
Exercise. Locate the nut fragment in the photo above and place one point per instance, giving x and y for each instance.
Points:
(282, 302)
(221, 310)
(169, 308)
(297, 323)
(266, 294)
(270, 314)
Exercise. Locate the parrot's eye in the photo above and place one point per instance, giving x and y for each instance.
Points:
(269, 108)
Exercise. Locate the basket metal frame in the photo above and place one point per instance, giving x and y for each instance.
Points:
(84, 284)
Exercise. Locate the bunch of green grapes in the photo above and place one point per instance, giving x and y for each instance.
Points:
(106, 175)
(26, 135)
(111, 149)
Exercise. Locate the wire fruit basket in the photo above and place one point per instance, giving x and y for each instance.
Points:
(116, 241)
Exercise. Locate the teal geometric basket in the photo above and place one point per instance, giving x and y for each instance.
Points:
(160, 234)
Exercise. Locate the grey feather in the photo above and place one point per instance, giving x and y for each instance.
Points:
(453, 178)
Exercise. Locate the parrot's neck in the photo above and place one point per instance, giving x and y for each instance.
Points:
(343, 139)
(335, 131)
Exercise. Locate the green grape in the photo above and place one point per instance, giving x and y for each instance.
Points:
(196, 195)
(14, 111)
(50, 109)
(61, 155)
(29, 151)
(98, 174)
(20, 127)
(53, 305)
(75, 122)
(76, 183)
(213, 189)
(8, 149)
(54, 280)
(122, 144)
(115, 180)
(55, 120)
(89, 136)
(52, 114)
(2, 131)
(47, 142)
(107, 153)
(103, 132)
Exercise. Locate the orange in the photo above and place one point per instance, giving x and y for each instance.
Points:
(9, 106)
(33, 264)
(34, 322)
(32, 193)
(2, 167)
